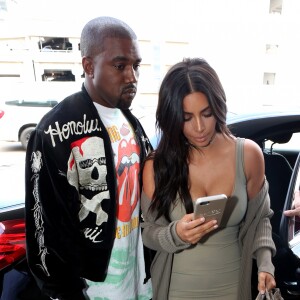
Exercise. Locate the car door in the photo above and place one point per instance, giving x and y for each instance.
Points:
(287, 259)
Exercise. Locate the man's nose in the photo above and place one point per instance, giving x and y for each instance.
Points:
(131, 75)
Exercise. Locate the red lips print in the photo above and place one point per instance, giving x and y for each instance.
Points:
(127, 175)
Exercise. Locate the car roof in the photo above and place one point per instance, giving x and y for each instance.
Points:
(264, 124)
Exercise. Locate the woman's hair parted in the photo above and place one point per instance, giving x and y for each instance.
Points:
(170, 159)
(96, 30)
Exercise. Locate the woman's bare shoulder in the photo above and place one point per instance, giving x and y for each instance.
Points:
(148, 178)
(254, 167)
(252, 150)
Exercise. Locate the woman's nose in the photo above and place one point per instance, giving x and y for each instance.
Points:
(198, 124)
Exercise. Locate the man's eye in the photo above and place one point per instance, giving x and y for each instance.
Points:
(119, 67)
(136, 67)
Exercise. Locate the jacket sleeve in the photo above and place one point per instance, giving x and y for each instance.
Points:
(264, 247)
(258, 226)
(159, 235)
(50, 224)
(255, 235)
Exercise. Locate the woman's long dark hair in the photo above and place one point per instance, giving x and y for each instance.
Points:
(170, 159)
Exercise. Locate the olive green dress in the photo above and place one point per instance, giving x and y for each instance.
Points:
(210, 270)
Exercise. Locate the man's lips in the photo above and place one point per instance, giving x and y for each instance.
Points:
(130, 91)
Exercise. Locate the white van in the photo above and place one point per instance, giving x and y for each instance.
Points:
(18, 118)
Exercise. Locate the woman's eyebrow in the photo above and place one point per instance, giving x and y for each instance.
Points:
(203, 110)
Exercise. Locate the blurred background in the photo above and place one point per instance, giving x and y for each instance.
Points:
(253, 45)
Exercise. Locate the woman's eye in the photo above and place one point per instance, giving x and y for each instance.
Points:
(186, 118)
(207, 115)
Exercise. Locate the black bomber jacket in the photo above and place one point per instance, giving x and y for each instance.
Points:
(62, 248)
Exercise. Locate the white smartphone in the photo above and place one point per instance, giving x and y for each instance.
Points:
(210, 207)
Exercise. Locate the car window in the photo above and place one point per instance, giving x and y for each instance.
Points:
(290, 227)
(32, 103)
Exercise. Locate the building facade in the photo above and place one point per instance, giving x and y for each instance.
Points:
(249, 51)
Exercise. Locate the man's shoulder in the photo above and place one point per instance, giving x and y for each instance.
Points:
(70, 108)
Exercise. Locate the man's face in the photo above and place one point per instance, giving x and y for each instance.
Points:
(116, 72)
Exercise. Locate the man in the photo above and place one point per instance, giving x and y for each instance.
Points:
(83, 180)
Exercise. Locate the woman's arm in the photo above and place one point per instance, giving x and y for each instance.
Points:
(255, 174)
(159, 234)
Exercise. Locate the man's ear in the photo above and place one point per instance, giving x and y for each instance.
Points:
(88, 66)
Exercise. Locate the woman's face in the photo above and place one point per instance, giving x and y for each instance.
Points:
(199, 123)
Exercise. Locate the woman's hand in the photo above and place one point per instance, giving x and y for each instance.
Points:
(265, 282)
(192, 231)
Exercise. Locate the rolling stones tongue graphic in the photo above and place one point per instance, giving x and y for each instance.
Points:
(127, 176)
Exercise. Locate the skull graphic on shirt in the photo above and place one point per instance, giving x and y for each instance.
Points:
(87, 173)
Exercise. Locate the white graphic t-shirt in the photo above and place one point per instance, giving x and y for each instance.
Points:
(126, 270)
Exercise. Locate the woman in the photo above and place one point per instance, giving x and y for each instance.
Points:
(198, 156)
